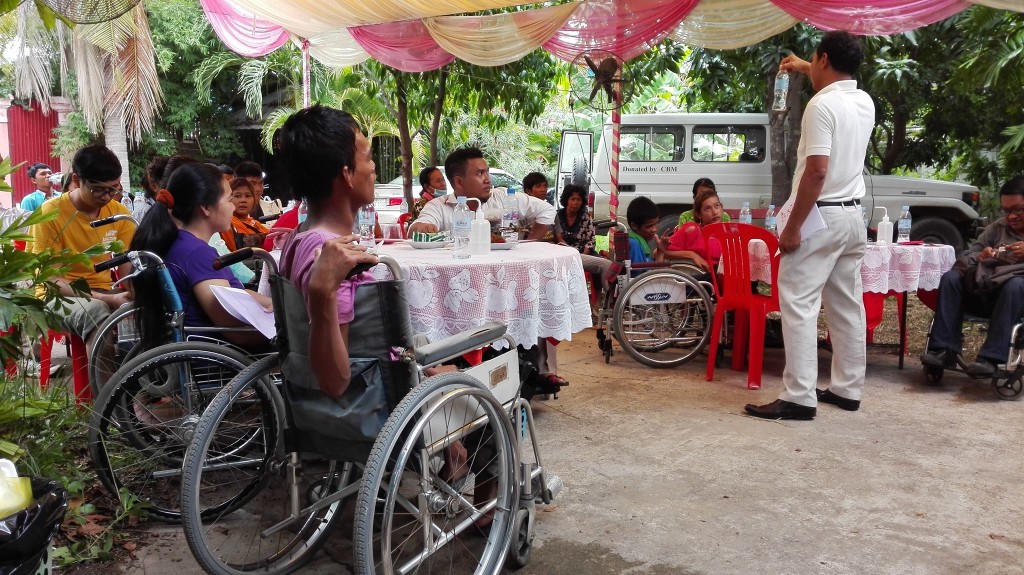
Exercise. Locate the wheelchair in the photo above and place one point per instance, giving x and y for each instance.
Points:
(386, 446)
(662, 317)
(144, 416)
(1008, 380)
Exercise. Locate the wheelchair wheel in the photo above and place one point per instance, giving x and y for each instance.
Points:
(116, 342)
(146, 415)
(259, 530)
(415, 514)
(663, 318)
(1010, 388)
(522, 539)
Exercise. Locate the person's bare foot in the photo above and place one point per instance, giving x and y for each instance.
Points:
(484, 491)
(456, 463)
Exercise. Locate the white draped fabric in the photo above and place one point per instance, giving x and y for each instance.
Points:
(730, 24)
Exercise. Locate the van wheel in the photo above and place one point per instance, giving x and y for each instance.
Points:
(667, 223)
(937, 231)
(581, 173)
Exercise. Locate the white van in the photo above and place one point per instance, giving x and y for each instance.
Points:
(661, 155)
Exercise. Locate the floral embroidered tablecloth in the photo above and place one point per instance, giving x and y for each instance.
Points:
(537, 290)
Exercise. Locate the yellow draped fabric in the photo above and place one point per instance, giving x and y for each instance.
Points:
(729, 24)
(308, 18)
(336, 49)
(498, 39)
(1015, 5)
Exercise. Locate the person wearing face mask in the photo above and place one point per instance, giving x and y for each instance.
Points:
(434, 186)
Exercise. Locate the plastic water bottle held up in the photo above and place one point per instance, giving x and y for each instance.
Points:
(770, 222)
(303, 211)
(462, 224)
(903, 226)
(745, 217)
(781, 91)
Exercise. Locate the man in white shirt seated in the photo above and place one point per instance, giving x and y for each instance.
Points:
(469, 174)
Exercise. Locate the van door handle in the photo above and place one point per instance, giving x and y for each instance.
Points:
(627, 187)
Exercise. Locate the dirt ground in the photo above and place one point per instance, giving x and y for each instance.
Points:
(665, 475)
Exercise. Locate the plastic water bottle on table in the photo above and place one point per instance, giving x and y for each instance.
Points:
(462, 223)
(770, 222)
(745, 217)
(903, 226)
(367, 219)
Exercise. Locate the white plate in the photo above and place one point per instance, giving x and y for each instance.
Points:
(504, 245)
(427, 245)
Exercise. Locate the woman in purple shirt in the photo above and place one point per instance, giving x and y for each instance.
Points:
(195, 205)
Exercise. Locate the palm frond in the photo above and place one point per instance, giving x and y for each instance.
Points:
(135, 88)
(1016, 141)
(90, 65)
(210, 68)
(274, 121)
(35, 46)
(113, 35)
(250, 85)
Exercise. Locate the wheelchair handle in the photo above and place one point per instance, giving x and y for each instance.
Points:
(270, 218)
(111, 263)
(112, 219)
(233, 258)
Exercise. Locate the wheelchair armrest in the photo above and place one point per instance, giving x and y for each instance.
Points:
(456, 345)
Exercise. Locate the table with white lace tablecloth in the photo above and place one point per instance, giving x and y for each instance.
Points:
(537, 289)
(887, 270)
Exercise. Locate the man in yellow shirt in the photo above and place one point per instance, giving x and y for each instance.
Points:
(97, 174)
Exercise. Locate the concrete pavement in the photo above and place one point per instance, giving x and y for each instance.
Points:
(664, 475)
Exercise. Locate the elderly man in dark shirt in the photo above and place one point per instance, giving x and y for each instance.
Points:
(1000, 247)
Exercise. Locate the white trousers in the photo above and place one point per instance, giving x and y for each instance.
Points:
(827, 264)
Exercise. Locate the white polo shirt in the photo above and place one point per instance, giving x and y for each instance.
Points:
(441, 211)
(837, 123)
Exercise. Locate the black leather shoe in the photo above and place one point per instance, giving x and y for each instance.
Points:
(984, 367)
(940, 358)
(826, 396)
(780, 409)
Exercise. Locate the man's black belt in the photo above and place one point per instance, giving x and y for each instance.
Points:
(848, 203)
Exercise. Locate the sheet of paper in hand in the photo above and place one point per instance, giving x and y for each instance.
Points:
(813, 224)
(244, 308)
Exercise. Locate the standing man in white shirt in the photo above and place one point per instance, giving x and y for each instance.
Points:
(470, 176)
(837, 125)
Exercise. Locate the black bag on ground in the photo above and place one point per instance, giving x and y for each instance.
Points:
(25, 536)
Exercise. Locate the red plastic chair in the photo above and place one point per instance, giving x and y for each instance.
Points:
(79, 364)
(733, 292)
(402, 223)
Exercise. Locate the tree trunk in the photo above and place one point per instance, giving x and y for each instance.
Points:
(404, 136)
(785, 137)
(116, 139)
(435, 123)
(897, 139)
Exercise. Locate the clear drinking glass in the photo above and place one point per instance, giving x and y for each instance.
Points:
(366, 220)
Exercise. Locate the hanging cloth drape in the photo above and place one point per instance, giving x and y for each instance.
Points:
(405, 46)
(626, 28)
(881, 17)
(731, 24)
(500, 38)
(243, 34)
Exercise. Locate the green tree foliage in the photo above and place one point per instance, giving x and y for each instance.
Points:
(198, 126)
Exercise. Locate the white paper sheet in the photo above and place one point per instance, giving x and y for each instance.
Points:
(244, 308)
(813, 224)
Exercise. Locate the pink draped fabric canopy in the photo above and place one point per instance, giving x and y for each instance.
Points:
(625, 27)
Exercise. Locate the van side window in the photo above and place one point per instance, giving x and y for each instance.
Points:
(729, 143)
(652, 143)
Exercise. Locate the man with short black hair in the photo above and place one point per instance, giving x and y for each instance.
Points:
(40, 174)
(1000, 247)
(836, 127)
(97, 175)
(469, 174)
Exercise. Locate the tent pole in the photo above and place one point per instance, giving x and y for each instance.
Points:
(305, 73)
(613, 201)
